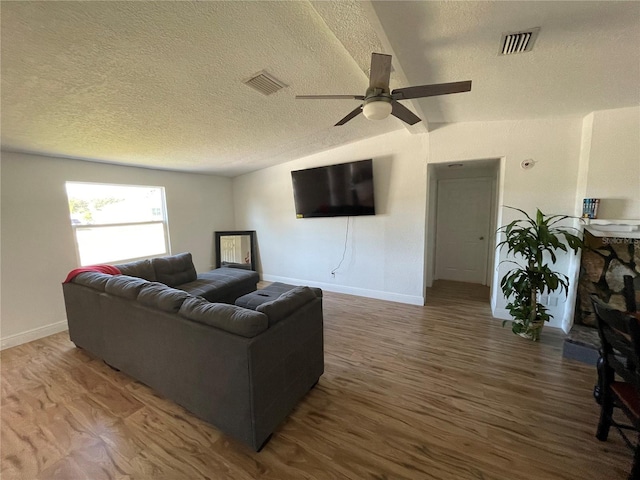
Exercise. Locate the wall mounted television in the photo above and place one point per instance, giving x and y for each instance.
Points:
(344, 189)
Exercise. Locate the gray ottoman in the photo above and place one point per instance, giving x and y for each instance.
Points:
(267, 294)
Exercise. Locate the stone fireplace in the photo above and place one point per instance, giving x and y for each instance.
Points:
(612, 252)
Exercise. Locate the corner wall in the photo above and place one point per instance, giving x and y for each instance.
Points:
(384, 253)
(613, 162)
(38, 249)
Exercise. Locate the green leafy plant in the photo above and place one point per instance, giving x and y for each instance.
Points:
(86, 209)
(536, 242)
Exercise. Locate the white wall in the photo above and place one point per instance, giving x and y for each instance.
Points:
(613, 162)
(38, 249)
(385, 255)
(554, 144)
(385, 252)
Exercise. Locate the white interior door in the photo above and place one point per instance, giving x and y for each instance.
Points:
(463, 222)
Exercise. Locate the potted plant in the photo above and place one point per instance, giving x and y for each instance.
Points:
(536, 242)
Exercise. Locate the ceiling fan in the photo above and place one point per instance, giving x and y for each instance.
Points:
(379, 102)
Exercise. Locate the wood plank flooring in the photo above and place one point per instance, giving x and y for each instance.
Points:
(434, 392)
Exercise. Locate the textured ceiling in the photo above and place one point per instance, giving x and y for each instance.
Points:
(586, 57)
(159, 84)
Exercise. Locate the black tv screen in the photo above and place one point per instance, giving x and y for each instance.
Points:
(345, 189)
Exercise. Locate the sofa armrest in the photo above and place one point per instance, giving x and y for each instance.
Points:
(285, 362)
(230, 318)
(286, 304)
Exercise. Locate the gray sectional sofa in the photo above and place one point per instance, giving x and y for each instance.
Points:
(220, 285)
(241, 369)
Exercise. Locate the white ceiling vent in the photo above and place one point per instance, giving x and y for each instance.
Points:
(265, 83)
(518, 42)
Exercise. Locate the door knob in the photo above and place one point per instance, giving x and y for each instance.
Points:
(481, 238)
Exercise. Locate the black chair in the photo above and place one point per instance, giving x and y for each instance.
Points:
(620, 356)
(629, 292)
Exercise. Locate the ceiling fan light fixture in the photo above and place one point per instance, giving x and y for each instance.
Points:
(380, 101)
(377, 110)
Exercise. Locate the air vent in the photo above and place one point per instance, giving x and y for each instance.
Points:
(518, 42)
(265, 83)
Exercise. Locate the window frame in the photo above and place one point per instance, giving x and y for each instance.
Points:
(164, 222)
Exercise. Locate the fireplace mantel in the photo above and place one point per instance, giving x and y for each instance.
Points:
(613, 228)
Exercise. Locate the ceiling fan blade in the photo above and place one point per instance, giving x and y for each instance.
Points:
(354, 113)
(403, 113)
(431, 90)
(380, 71)
(329, 97)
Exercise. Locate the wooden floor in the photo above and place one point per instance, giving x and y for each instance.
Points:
(435, 392)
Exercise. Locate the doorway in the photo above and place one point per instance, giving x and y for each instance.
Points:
(462, 212)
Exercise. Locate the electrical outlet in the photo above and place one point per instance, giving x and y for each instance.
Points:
(553, 301)
(333, 274)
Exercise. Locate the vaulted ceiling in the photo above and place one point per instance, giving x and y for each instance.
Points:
(160, 84)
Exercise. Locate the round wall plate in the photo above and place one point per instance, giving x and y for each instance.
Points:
(527, 164)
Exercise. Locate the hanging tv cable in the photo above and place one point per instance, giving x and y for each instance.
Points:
(346, 236)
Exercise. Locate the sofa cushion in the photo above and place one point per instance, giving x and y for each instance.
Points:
(230, 318)
(124, 286)
(267, 294)
(95, 280)
(174, 270)
(141, 268)
(222, 284)
(158, 295)
(286, 304)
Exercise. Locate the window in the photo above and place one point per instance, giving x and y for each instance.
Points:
(116, 223)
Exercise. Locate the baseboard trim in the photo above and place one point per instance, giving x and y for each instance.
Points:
(360, 292)
(33, 334)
